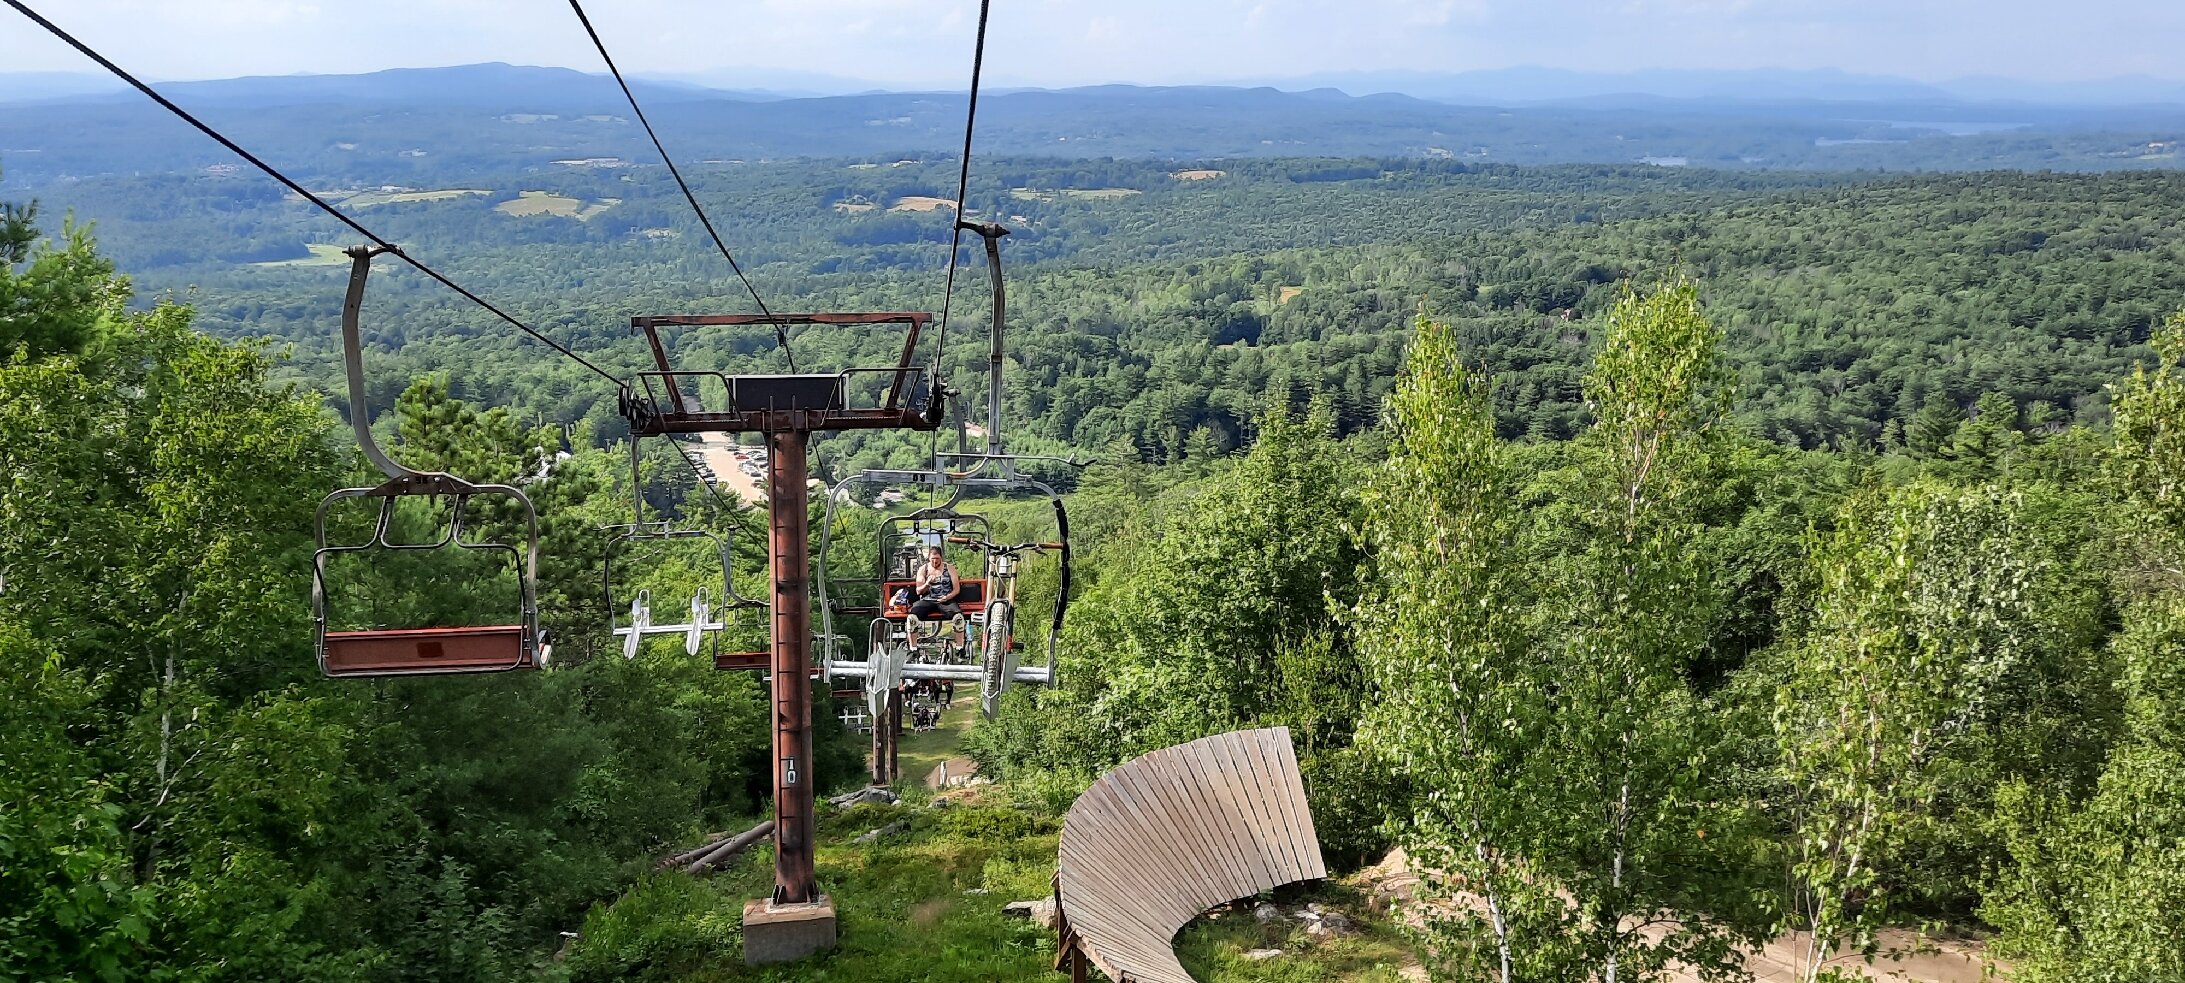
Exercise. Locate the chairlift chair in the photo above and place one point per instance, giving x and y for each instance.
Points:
(706, 607)
(424, 651)
(963, 471)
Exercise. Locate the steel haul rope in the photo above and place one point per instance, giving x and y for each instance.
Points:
(300, 190)
(956, 234)
(781, 332)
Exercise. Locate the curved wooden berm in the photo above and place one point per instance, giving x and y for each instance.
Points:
(1166, 836)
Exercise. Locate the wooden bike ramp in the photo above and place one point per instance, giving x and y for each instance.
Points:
(1164, 837)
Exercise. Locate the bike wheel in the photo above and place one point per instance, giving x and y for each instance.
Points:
(1001, 660)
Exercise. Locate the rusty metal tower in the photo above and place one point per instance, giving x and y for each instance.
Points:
(787, 410)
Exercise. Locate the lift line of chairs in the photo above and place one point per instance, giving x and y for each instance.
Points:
(896, 650)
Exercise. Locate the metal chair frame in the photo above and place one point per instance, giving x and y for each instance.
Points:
(416, 651)
(701, 625)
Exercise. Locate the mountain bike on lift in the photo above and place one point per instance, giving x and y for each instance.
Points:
(996, 625)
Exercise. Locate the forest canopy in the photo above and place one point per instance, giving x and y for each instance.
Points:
(1670, 564)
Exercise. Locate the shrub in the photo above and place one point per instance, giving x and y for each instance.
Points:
(665, 928)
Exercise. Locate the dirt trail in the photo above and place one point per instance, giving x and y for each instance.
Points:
(1916, 960)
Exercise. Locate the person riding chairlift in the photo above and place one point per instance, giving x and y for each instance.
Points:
(937, 587)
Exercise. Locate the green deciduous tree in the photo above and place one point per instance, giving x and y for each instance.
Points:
(1633, 822)
(1925, 605)
(1535, 671)
(2094, 889)
(1440, 630)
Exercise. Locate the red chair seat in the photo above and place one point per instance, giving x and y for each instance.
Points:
(426, 651)
(972, 599)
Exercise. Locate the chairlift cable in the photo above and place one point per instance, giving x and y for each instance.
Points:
(299, 189)
(781, 332)
(963, 183)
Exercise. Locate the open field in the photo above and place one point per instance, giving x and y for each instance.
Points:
(322, 254)
(548, 203)
(1199, 174)
(366, 199)
(920, 203)
(1083, 194)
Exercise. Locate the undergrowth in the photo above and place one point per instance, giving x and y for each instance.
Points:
(924, 905)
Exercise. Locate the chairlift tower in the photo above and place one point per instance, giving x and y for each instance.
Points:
(895, 654)
(787, 409)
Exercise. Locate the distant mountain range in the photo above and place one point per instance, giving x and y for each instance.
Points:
(424, 126)
(491, 85)
(1531, 86)
(497, 83)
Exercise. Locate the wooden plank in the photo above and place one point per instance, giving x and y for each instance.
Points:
(1250, 754)
(1156, 834)
(1253, 809)
(1222, 808)
(1308, 832)
(1095, 855)
(1158, 840)
(1133, 861)
(1280, 764)
(1137, 869)
(1217, 819)
(1282, 769)
(1133, 931)
(1124, 942)
(1117, 864)
(1244, 794)
(1268, 763)
(1208, 852)
(1109, 923)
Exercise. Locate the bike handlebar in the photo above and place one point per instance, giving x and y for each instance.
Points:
(998, 548)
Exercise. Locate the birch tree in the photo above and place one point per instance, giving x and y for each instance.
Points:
(1439, 629)
(1926, 603)
(1532, 670)
(1629, 809)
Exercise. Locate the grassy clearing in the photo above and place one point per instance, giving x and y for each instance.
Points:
(1213, 947)
(1200, 174)
(531, 203)
(920, 203)
(367, 199)
(921, 753)
(926, 904)
(1287, 294)
(1082, 194)
(322, 254)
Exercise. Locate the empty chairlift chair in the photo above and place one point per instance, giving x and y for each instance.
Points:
(500, 647)
(710, 608)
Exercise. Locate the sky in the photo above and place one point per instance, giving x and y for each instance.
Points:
(927, 43)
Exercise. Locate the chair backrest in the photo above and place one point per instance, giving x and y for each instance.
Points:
(1164, 837)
